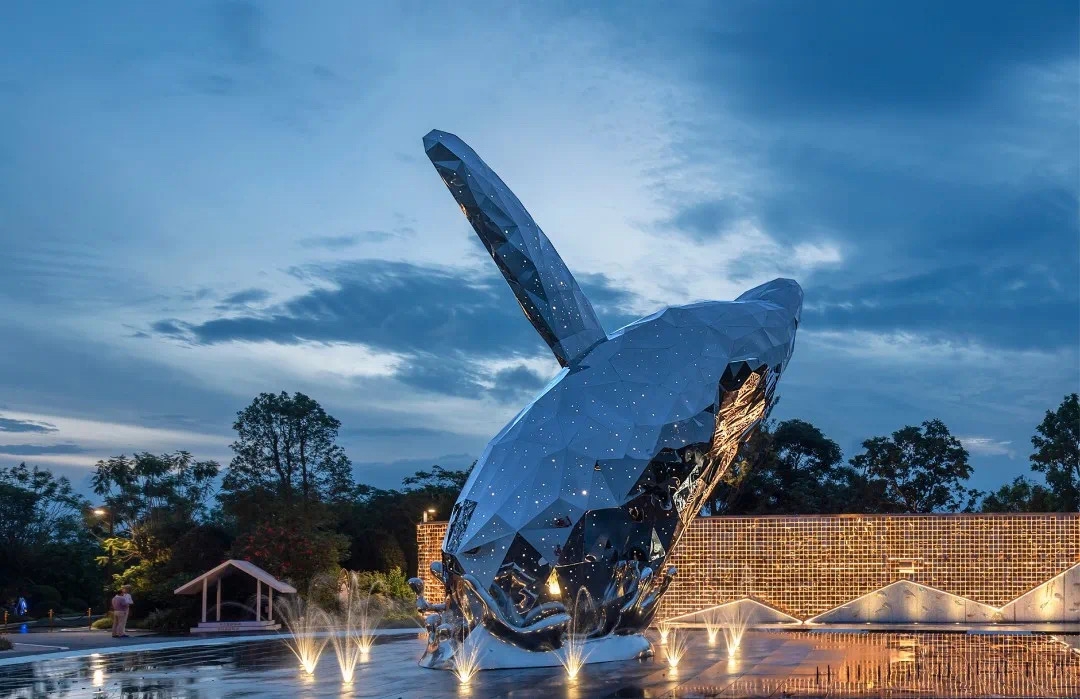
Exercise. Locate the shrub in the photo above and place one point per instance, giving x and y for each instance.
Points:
(43, 598)
(169, 620)
(5, 644)
(296, 554)
(76, 604)
(392, 584)
(104, 622)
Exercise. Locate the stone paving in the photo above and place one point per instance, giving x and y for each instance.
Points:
(768, 664)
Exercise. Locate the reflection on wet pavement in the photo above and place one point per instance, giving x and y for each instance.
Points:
(767, 664)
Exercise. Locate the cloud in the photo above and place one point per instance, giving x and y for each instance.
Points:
(173, 327)
(244, 298)
(38, 450)
(11, 425)
(342, 242)
(988, 446)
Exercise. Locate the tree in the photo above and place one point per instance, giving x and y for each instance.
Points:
(38, 508)
(295, 554)
(43, 543)
(789, 468)
(1020, 496)
(917, 469)
(382, 523)
(152, 502)
(286, 448)
(1057, 452)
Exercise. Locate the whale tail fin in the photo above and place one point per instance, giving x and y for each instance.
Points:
(547, 291)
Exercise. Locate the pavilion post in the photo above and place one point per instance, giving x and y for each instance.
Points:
(218, 600)
(258, 600)
(270, 610)
(204, 600)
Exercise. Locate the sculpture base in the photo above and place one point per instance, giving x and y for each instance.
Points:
(496, 654)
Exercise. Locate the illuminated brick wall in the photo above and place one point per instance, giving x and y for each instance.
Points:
(806, 565)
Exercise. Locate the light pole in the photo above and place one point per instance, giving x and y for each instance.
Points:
(101, 512)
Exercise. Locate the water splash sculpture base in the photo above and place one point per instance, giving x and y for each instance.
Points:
(493, 653)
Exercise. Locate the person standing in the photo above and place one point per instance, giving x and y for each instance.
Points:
(121, 603)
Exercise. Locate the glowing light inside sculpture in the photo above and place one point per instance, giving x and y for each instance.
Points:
(591, 485)
(553, 584)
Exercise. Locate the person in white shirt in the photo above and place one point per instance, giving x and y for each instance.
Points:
(121, 603)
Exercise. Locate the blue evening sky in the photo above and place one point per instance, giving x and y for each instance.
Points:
(203, 200)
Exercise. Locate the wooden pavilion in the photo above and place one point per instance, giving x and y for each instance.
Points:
(214, 577)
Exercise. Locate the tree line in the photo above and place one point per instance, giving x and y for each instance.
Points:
(288, 502)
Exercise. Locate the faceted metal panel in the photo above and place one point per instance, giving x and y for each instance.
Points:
(592, 483)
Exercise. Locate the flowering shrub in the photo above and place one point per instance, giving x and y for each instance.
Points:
(291, 553)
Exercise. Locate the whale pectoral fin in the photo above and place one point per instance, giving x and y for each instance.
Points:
(547, 291)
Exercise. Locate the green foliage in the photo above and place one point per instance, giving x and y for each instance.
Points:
(1057, 452)
(170, 620)
(392, 587)
(916, 470)
(42, 537)
(788, 468)
(42, 598)
(104, 622)
(1020, 496)
(393, 583)
(292, 552)
(151, 530)
(395, 514)
(286, 447)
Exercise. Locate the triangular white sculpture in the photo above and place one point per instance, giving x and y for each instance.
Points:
(1056, 600)
(747, 610)
(906, 602)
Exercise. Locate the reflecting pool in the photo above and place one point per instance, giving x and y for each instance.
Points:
(765, 664)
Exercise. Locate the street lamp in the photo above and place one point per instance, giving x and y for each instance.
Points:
(101, 512)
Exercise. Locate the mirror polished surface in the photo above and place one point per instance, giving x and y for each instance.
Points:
(591, 485)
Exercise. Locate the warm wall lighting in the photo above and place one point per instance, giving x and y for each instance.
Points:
(804, 566)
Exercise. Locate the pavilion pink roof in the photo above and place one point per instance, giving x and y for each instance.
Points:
(214, 574)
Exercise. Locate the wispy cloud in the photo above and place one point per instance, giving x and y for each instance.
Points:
(11, 425)
(988, 446)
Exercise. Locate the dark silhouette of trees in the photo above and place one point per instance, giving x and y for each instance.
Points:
(286, 447)
(1057, 452)
(1020, 496)
(916, 469)
(786, 468)
(46, 551)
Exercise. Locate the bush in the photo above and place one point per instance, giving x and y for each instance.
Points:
(43, 598)
(76, 605)
(394, 588)
(169, 620)
(297, 554)
(5, 644)
(104, 622)
(392, 584)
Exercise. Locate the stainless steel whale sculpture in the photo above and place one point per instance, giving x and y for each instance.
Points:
(592, 484)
